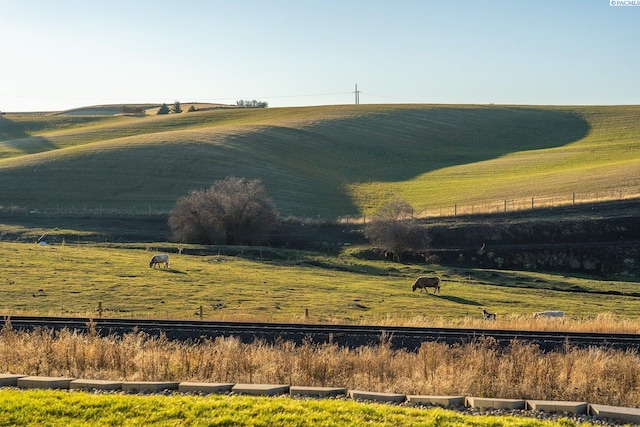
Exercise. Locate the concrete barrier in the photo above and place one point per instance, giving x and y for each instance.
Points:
(577, 408)
(150, 386)
(628, 415)
(377, 397)
(492, 403)
(84, 384)
(316, 391)
(261, 389)
(445, 401)
(206, 388)
(9, 380)
(44, 382)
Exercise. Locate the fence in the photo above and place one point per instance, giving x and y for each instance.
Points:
(517, 204)
(530, 203)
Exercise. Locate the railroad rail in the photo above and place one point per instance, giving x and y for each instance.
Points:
(398, 337)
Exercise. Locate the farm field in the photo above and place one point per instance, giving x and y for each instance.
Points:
(81, 409)
(235, 283)
(91, 176)
(331, 161)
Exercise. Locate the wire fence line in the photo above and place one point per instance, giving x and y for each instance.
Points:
(457, 209)
(517, 204)
(531, 203)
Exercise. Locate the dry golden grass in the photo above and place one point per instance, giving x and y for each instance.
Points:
(521, 370)
(600, 323)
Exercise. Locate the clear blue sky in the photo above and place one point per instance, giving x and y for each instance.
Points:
(60, 54)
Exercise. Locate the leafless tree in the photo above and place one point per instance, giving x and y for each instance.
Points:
(394, 230)
(233, 211)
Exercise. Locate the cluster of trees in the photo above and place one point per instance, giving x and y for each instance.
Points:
(175, 108)
(252, 104)
(238, 211)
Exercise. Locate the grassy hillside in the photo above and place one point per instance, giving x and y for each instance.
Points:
(329, 161)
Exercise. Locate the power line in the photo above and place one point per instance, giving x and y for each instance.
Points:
(392, 97)
(357, 92)
(203, 99)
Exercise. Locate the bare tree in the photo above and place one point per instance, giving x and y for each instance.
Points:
(232, 211)
(394, 230)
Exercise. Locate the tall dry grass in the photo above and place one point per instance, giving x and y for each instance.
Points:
(483, 368)
(606, 323)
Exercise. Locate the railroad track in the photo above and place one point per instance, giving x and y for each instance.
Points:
(409, 338)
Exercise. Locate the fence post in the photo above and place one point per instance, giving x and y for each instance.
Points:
(573, 198)
(100, 309)
(455, 209)
(306, 313)
(200, 312)
(532, 203)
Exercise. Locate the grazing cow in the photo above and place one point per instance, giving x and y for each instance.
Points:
(489, 316)
(159, 259)
(549, 314)
(424, 282)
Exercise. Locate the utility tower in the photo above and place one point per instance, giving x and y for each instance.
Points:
(357, 92)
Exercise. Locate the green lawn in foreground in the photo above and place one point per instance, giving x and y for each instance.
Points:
(53, 408)
(270, 284)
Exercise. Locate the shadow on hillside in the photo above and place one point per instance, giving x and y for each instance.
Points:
(15, 139)
(395, 144)
(412, 142)
(306, 168)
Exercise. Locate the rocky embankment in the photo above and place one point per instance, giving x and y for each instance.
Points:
(594, 239)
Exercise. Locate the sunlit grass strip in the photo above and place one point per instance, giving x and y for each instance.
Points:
(39, 407)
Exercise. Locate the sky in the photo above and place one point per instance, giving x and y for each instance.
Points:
(63, 54)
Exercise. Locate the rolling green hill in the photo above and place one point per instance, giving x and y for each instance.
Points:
(329, 161)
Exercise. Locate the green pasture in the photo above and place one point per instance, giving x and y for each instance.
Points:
(325, 161)
(47, 407)
(232, 283)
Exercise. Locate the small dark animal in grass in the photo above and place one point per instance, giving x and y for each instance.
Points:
(489, 316)
(159, 259)
(424, 282)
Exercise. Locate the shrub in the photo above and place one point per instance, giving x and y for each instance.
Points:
(394, 230)
(233, 211)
